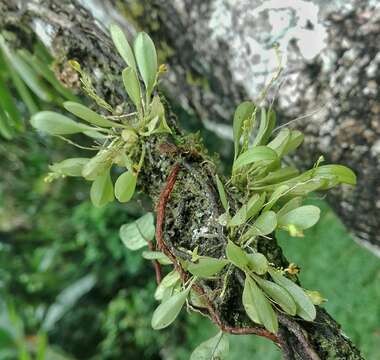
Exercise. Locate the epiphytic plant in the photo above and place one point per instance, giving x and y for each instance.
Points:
(118, 139)
(261, 195)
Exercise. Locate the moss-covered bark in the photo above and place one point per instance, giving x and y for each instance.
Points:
(212, 76)
(192, 211)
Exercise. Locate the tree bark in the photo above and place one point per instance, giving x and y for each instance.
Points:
(178, 178)
(211, 46)
(213, 68)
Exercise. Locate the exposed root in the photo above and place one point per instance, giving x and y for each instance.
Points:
(214, 316)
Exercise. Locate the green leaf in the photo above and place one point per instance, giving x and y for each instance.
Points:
(296, 139)
(69, 167)
(255, 154)
(97, 165)
(254, 206)
(302, 189)
(290, 205)
(305, 307)
(318, 178)
(157, 116)
(66, 300)
(277, 176)
(236, 255)
(168, 311)
(132, 85)
(122, 45)
(216, 348)
(152, 125)
(7, 102)
(156, 255)
(197, 300)
(302, 217)
(57, 124)
(241, 215)
(276, 195)
(170, 279)
(95, 134)
(163, 126)
(278, 294)
(280, 142)
(136, 234)
(145, 225)
(342, 173)
(5, 129)
(243, 111)
(156, 108)
(146, 57)
(84, 113)
(27, 73)
(101, 191)
(248, 210)
(42, 349)
(222, 193)
(265, 224)
(267, 124)
(125, 186)
(258, 307)
(248, 301)
(21, 88)
(207, 266)
(168, 282)
(166, 293)
(258, 263)
(239, 218)
(299, 185)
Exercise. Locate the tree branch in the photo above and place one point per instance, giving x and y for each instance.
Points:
(180, 180)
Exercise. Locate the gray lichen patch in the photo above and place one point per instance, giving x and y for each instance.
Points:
(45, 31)
(251, 28)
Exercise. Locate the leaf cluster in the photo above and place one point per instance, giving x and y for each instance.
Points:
(273, 190)
(270, 191)
(118, 140)
(265, 287)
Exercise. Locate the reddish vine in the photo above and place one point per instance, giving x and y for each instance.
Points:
(160, 209)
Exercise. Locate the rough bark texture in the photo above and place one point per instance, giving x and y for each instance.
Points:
(193, 207)
(209, 47)
(213, 67)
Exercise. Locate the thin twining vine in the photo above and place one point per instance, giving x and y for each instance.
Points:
(270, 195)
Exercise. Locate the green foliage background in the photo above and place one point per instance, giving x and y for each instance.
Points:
(51, 236)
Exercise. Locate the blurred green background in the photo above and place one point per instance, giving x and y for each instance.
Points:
(69, 289)
(65, 273)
